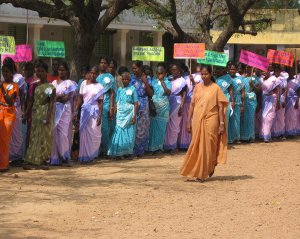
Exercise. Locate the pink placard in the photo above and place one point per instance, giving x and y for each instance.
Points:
(23, 53)
(254, 60)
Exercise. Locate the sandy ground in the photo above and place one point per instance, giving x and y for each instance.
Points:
(255, 195)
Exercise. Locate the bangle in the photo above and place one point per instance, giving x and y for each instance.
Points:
(222, 123)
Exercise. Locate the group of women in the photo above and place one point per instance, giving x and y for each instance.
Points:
(50, 120)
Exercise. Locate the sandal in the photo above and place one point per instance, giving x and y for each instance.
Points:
(199, 180)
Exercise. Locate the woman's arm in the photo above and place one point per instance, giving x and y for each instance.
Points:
(221, 118)
(183, 96)
(50, 106)
(111, 104)
(28, 108)
(163, 84)
(9, 99)
(243, 100)
(100, 104)
(64, 98)
(149, 90)
(191, 113)
(136, 106)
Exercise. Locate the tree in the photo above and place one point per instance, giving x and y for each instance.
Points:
(88, 18)
(204, 15)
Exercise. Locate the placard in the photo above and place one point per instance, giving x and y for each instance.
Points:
(189, 51)
(23, 53)
(7, 45)
(214, 58)
(281, 57)
(254, 60)
(50, 48)
(148, 53)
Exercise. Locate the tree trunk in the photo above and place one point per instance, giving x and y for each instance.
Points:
(84, 45)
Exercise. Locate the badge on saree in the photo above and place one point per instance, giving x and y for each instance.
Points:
(238, 81)
(159, 83)
(9, 87)
(106, 80)
(48, 91)
(129, 92)
(224, 84)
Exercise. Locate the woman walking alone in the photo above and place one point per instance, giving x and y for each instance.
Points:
(63, 116)
(206, 122)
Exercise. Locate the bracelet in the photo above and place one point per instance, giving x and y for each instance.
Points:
(222, 123)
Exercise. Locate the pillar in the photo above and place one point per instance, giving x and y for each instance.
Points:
(123, 46)
(157, 38)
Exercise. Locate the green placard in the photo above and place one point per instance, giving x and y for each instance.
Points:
(148, 53)
(51, 48)
(7, 45)
(214, 58)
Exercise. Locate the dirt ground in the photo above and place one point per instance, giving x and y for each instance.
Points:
(255, 195)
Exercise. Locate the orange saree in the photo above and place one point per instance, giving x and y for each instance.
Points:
(207, 147)
(7, 120)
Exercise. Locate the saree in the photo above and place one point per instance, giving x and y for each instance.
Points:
(90, 132)
(158, 124)
(122, 142)
(247, 117)
(173, 126)
(41, 140)
(224, 82)
(278, 127)
(234, 124)
(207, 147)
(108, 82)
(17, 137)
(7, 121)
(291, 114)
(62, 121)
(143, 117)
(268, 106)
(184, 137)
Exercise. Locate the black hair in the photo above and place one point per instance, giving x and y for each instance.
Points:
(161, 64)
(37, 62)
(231, 63)
(242, 65)
(139, 64)
(9, 66)
(29, 66)
(122, 69)
(10, 61)
(147, 70)
(94, 67)
(183, 66)
(114, 62)
(210, 71)
(65, 65)
(104, 58)
(85, 68)
(42, 65)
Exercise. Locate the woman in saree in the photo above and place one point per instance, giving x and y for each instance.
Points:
(251, 84)
(238, 102)
(278, 127)
(292, 104)
(206, 122)
(177, 101)
(270, 87)
(41, 140)
(142, 85)
(91, 103)
(158, 124)
(65, 89)
(184, 138)
(122, 142)
(225, 83)
(8, 94)
(16, 140)
(108, 115)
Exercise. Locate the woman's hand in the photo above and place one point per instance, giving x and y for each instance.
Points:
(99, 120)
(180, 111)
(221, 129)
(133, 120)
(232, 105)
(144, 78)
(111, 113)
(189, 127)
(192, 79)
(242, 109)
(283, 104)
